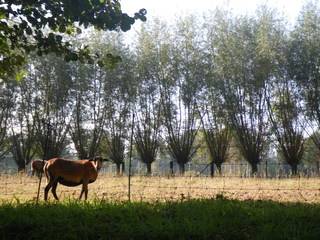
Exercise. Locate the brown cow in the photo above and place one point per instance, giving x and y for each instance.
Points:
(71, 173)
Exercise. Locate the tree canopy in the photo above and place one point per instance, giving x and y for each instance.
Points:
(249, 82)
(42, 26)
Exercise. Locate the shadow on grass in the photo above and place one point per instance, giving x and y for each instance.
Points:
(192, 219)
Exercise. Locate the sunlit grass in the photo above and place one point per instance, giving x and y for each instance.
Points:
(163, 189)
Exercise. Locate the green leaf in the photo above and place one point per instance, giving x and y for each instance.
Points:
(20, 75)
(2, 13)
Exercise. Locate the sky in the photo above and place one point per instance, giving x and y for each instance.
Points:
(169, 9)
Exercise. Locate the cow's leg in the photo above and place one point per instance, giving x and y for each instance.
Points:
(52, 181)
(54, 188)
(47, 188)
(84, 190)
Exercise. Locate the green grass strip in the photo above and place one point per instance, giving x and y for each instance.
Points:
(194, 219)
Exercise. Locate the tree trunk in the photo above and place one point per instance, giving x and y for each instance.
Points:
(294, 169)
(212, 169)
(148, 169)
(181, 169)
(118, 168)
(171, 168)
(219, 168)
(21, 166)
(254, 168)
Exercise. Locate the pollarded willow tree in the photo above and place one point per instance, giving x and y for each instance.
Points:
(147, 132)
(23, 127)
(39, 123)
(217, 134)
(304, 65)
(214, 117)
(148, 100)
(245, 53)
(90, 94)
(119, 94)
(89, 112)
(179, 92)
(181, 127)
(285, 101)
(53, 105)
(81, 75)
(285, 116)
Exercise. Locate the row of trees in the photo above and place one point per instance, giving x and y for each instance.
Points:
(223, 77)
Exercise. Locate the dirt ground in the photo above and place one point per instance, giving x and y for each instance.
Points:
(23, 188)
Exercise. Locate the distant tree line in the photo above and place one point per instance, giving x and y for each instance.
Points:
(251, 80)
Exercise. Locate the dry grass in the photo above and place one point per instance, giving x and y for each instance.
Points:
(107, 187)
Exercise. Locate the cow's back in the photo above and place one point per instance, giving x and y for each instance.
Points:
(70, 173)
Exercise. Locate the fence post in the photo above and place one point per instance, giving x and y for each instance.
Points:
(122, 168)
(130, 156)
(266, 169)
(45, 153)
(39, 184)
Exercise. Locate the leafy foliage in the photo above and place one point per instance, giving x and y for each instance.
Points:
(41, 26)
(304, 63)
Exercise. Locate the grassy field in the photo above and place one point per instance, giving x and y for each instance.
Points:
(163, 208)
(24, 188)
(190, 219)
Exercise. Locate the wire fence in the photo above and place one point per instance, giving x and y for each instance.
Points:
(266, 169)
(243, 170)
(272, 181)
(22, 187)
